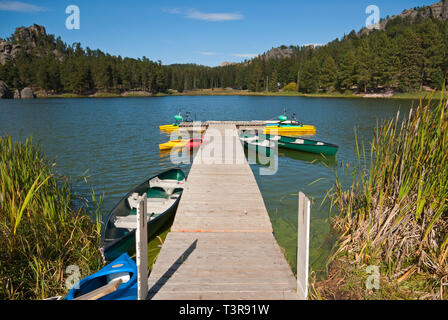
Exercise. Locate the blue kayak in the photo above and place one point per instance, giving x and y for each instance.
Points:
(123, 268)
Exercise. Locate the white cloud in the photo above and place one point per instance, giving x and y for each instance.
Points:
(207, 53)
(19, 6)
(245, 55)
(198, 15)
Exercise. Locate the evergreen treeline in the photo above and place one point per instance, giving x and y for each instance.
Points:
(54, 66)
(406, 56)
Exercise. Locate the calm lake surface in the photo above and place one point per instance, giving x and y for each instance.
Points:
(117, 139)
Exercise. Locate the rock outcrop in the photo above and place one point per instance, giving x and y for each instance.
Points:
(7, 51)
(5, 93)
(27, 93)
(27, 39)
(437, 10)
(278, 53)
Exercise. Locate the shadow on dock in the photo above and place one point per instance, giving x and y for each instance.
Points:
(172, 270)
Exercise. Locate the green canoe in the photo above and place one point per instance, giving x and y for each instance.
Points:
(163, 192)
(261, 145)
(300, 144)
(306, 145)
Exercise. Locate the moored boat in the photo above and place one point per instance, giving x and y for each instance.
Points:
(194, 143)
(169, 127)
(261, 145)
(173, 144)
(289, 129)
(299, 144)
(176, 144)
(306, 145)
(163, 193)
(116, 281)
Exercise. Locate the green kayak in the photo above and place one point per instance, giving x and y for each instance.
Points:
(163, 192)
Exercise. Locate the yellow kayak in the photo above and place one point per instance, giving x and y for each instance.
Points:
(169, 127)
(304, 129)
(173, 144)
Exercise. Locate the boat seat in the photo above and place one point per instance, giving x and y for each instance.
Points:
(130, 222)
(299, 141)
(169, 185)
(155, 208)
(134, 200)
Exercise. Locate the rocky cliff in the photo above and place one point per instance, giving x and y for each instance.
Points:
(437, 10)
(5, 93)
(32, 40)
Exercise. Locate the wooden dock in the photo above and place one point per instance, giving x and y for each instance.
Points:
(221, 244)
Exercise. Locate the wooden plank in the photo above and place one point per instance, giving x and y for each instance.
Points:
(303, 239)
(219, 295)
(141, 237)
(221, 244)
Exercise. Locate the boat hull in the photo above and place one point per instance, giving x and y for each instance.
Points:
(307, 145)
(116, 241)
(126, 291)
(173, 144)
(169, 127)
(290, 129)
(297, 144)
(261, 150)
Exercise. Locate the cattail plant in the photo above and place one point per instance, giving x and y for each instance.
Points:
(41, 232)
(392, 207)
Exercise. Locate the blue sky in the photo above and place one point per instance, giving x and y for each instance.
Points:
(202, 32)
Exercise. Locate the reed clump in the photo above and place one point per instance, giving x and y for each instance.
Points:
(392, 207)
(41, 232)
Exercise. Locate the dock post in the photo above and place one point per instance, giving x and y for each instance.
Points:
(303, 241)
(141, 246)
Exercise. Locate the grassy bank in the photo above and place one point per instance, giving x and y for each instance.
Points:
(100, 95)
(41, 232)
(392, 213)
(425, 95)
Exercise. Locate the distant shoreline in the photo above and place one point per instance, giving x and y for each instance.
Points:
(220, 92)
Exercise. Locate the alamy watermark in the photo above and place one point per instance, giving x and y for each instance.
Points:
(373, 281)
(373, 20)
(72, 280)
(73, 21)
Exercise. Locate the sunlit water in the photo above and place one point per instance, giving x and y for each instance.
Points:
(116, 140)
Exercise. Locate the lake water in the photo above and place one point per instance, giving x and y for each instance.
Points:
(117, 139)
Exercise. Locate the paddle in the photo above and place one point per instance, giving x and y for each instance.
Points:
(101, 292)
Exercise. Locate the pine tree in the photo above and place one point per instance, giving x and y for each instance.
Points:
(411, 71)
(256, 83)
(329, 73)
(363, 73)
(310, 76)
(273, 81)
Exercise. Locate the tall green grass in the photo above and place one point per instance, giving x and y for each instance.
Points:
(392, 207)
(41, 233)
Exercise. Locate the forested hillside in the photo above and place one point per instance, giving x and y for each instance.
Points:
(408, 53)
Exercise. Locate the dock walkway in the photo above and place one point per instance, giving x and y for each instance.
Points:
(221, 244)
